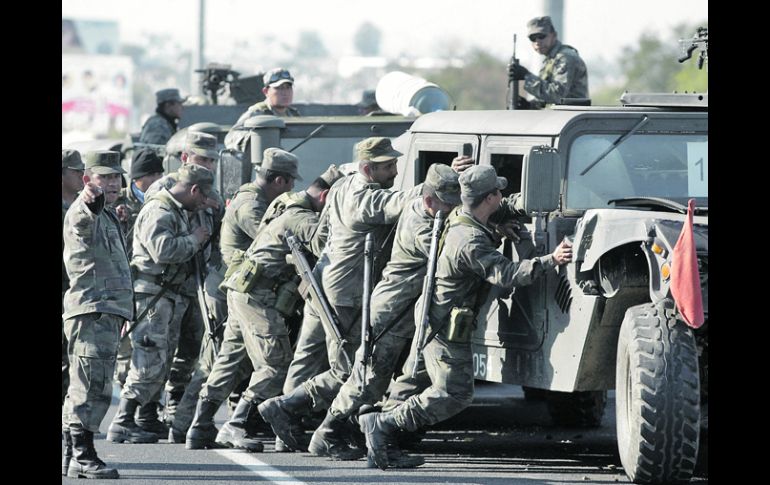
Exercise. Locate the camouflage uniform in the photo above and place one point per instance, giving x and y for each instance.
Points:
(468, 259)
(239, 228)
(157, 130)
(398, 290)
(263, 108)
(355, 207)
(163, 246)
(99, 299)
(562, 75)
(186, 307)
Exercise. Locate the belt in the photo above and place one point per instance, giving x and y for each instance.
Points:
(157, 279)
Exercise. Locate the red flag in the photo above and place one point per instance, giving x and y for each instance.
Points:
(685, 278)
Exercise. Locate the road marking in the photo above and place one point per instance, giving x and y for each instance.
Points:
(259, 468)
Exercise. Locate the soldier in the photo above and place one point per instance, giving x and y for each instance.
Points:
(164, 245)
(99, 299)
(563, 74)
(261, 293)
(71, 183)
(159, 127)
(146, 168)
(391, 303)
(468, 260)
(199, 149)
(279, 93)
(242, 219)
(357, 205)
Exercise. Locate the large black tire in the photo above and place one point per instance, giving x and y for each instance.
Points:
(581, 409)
(657, 395)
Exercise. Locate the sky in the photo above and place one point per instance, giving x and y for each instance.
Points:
(597, 28)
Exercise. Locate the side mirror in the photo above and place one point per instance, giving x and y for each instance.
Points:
(540, 180)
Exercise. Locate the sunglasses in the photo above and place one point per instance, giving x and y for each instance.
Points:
(280, 75)
(535, 37)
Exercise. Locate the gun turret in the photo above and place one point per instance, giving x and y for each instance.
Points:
(699, 40)
(214, 78)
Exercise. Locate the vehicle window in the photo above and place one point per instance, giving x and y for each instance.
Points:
(508, 166)
(669, 166)
(427, 158)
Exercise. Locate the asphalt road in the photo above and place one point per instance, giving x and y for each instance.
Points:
(501, 439)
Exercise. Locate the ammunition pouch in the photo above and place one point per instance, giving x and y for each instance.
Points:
(286, 298)
(462, 321)
(241, 277)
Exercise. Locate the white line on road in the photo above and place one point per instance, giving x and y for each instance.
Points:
(259, 468)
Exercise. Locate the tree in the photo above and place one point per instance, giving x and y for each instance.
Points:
(311, 45)
(367, 39)
(651, 66)
(479, 84)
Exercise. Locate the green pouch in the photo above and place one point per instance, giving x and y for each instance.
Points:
(286, 298)
(244, 277)
(461, 324)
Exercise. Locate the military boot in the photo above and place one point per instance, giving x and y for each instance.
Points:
(147, 419)
(378, 428)
(329, 440)
(174, 397)
(239, 431)
(397, 459)
(284, 414)
(176, 436)
(65, 461)
(123, 428)
(84, 462)
(202, 433)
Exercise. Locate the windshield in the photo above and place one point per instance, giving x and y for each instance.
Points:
(670, 166)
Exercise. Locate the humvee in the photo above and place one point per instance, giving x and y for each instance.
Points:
(616, 181)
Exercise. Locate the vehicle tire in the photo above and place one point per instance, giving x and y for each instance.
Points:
(581, 409)
(657, 395)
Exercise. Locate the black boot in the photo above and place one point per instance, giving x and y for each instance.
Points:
(84, 462)
(147, 419)
(202, 433)
(284, 413)
(378, 428)
(329, 440)
(238, 432)
(123, 428)
(65, 461)
(174, 397)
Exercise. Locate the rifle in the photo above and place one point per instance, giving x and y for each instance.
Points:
(513, 85)
(700, 39)
(366, 328)
(429, 286)
(209, 321)
(329, 319)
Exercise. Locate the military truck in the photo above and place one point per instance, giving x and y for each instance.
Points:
(616, 181)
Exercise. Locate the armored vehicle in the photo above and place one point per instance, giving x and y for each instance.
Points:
(616, 181)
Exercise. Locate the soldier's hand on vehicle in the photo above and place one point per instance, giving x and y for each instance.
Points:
(201, 234)
(517, 72)
(563, 253)
(461, 163)
(510, 229)
(123, 213)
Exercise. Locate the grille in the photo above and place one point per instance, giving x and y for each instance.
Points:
(563, 294)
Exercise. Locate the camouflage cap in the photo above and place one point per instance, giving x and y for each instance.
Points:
(276, 77)
(170, 94)
(540, 25)
(145, 162)
(376, 149)
(71, 159)
(103, 162)
(480, 180)
(444, 182)
(196, 175)
(279, 160)
(201, 144)
(332, 174)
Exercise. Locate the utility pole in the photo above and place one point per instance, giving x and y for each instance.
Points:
(198, 60)
(555, 9)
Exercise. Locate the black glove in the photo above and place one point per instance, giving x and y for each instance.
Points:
(517, 71)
